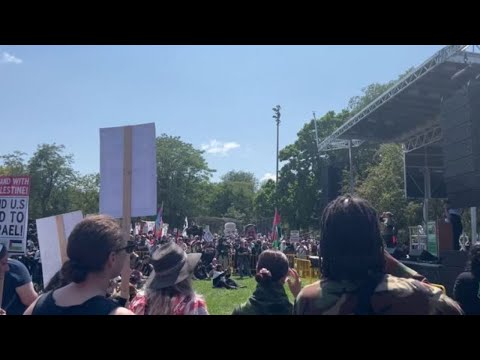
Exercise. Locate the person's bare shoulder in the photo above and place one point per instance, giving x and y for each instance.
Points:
(121, 311)
(306, 298)
(29, 310)
(310, 291)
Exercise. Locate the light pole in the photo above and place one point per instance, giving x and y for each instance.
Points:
(352, 182)
(276, 110)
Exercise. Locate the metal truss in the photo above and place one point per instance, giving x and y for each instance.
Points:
(335, 144)
(421, 139)
(342, 144)
(438, 58)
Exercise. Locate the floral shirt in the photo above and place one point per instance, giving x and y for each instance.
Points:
(181, 305)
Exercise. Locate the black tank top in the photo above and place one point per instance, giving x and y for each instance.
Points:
(97, 305)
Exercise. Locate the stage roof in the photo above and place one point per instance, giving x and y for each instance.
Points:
(408, 112)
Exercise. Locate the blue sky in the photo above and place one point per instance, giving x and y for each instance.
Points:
(218, 98)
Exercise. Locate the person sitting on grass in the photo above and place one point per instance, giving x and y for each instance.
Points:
(221, 278)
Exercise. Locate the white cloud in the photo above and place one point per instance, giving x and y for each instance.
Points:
(268, 176)
(218, 147)
(9, 58)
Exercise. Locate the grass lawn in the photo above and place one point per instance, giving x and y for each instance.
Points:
(223, 301)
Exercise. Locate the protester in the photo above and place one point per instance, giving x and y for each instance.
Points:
(90, 271)
(18, 291)
(353, 267)
(269, 297)
(169, 289)
(467, 285)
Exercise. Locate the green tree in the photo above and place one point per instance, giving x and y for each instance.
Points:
(85, 193)
(264, 206)
(52, 176)
(243, 178)
(365, 155)
(234, 196)
(264, 200)
(182, 177)
(383, 186)
(13, 164)
(301, 193)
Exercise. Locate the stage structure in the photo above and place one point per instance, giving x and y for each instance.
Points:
(413, 112)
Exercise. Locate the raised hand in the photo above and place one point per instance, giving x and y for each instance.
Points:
(294, 282)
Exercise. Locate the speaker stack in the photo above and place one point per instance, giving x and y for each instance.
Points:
(460, 122)
(330, 182)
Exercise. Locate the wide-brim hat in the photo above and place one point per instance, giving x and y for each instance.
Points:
(171, 265)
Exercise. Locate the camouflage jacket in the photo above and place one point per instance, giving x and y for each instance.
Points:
(392, 296)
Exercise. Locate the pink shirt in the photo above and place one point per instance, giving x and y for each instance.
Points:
(181, 305)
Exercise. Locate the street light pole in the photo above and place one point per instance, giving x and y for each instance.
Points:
(351, 167)
(276, 110)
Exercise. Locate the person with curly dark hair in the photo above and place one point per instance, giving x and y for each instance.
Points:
(467, 285)
(354, 267)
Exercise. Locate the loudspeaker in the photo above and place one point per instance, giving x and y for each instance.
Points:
(460, 123)
(334, 182)
(330, 182)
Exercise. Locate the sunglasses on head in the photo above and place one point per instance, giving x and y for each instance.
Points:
(129, 248)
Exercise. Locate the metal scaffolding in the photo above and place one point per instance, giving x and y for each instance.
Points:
(439, 58)
(421, 139)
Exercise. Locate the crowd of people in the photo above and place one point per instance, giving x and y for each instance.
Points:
(358, 276)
